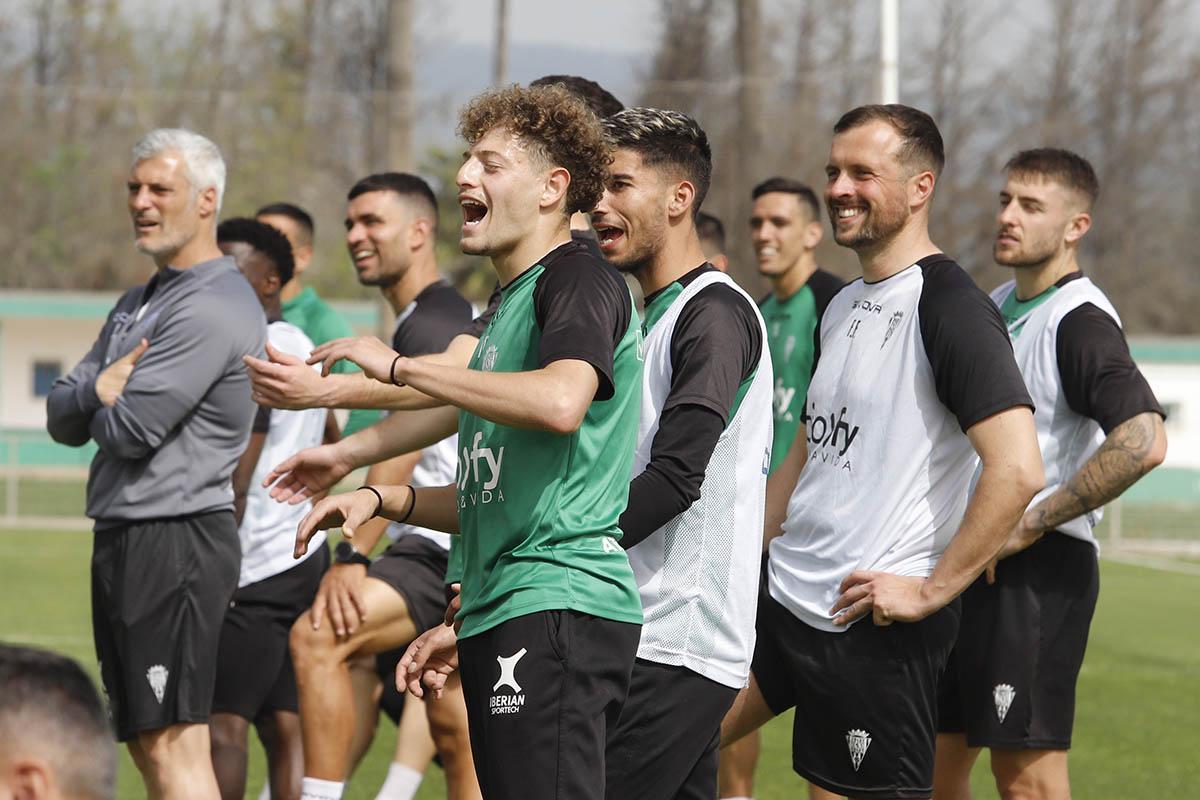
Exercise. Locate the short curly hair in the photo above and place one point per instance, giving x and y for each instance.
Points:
(556, 125)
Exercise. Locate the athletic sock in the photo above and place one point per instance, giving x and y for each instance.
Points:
(401, 784)
(265, 794)
(317, 789)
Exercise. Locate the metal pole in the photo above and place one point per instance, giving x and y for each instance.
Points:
(500, 56)
(889, 51)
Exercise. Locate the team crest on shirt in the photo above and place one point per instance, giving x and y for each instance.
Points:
(1003, 696)
(858, 741)
(489, 358)
(891, 328)
(508, 703)
(157, 678)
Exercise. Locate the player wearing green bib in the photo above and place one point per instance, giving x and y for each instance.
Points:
(785, 229)
(550, 617)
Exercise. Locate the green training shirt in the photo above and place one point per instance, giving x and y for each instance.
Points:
(308, 312)
(537, 510)
(790, 327)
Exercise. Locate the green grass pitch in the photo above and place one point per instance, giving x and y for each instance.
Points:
(1136, 731)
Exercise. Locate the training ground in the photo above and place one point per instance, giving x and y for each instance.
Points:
(1136, 731)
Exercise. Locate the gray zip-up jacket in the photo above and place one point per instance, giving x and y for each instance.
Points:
(169, 444)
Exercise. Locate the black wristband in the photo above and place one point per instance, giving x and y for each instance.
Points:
(378, 496)
(392, 371)
(412, 505)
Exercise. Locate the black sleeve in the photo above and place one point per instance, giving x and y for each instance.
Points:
(967, 346)
(583, 309)
(686, 438)
(824, 286)
(477, 326)
(715, 346)
(439, 316)
(262, 420)
(1099, 377)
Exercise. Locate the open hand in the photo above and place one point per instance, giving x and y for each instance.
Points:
(110, 383)
(429, 660)
(308, 473)
(888, 598)
(284, 381)
(373, 356)
(340, 596)
(347, 511)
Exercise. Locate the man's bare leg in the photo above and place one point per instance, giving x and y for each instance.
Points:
(735, 774)
(448, 725)
(748, 713)
(368, 689)
(323, 676)
(952, 765)
(1031, 774)
(178, 763)
(229, 734)
(279, 731)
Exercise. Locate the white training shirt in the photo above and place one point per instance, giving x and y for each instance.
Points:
(698, 574)
(903, 367)
(268, 529)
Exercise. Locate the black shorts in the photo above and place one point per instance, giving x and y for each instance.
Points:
(866, 699)
(159, 593)
(254, 668)
(543, 690)
(416, 568)
(1011, 681)
(666, 742)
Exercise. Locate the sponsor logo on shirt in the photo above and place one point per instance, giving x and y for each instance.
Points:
(830, 438)
(479, 470)
(783, 400)
(513, 701)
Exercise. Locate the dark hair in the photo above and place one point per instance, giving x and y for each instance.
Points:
(263, 238)
(665, 137)
(598, 99)
(922, 148)
(553, 121)
(1061, 166)
(710, 229)
(803, 192)
(49, 705)
(292, 212)
(405, 184)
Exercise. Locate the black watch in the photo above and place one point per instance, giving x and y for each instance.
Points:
(345, 553)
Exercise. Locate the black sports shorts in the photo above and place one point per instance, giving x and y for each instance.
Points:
(1011, 680)
(254, 667)
(866, 698)
(159, 593)
(543, 691)
(666, 742)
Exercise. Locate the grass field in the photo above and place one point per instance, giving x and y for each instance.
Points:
(1136, 727)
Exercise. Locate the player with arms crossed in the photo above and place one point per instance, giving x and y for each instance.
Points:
(914, 384)
(550, 616)
(1011, 683)
(693, 527)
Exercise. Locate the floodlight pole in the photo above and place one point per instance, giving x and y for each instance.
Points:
(889, 51)
(500, 54)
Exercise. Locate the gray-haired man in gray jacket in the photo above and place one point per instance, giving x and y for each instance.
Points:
(165, 396)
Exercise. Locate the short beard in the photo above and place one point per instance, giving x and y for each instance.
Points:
(382, 281)
(877, 230)
(1026, 260)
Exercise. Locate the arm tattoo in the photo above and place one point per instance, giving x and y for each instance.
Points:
(1112, 469)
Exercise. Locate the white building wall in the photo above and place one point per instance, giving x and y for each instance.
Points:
(23, 342)
(1177, 387)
